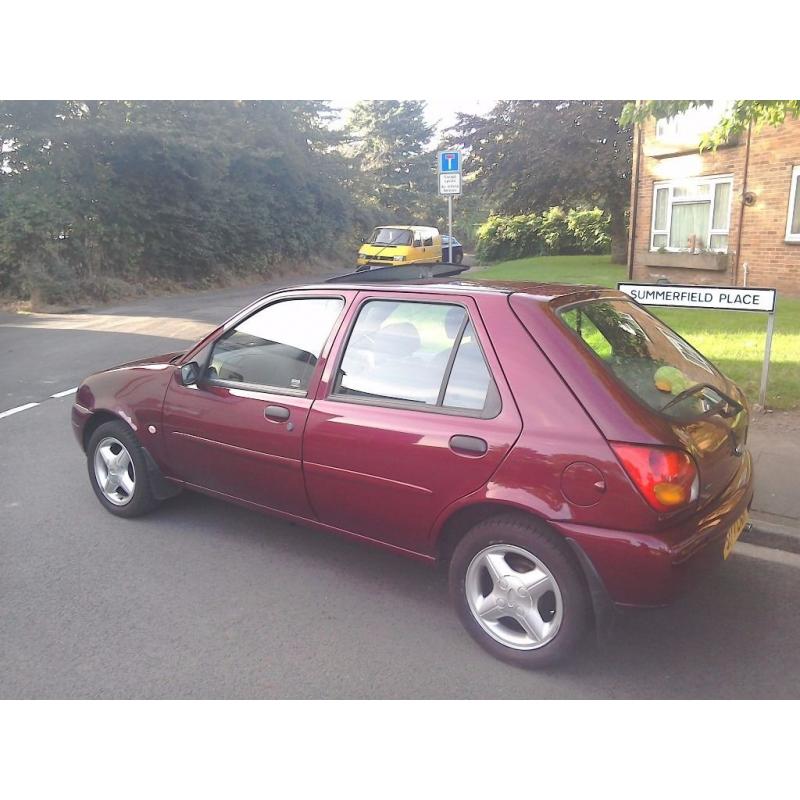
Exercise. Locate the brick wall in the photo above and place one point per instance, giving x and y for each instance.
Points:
(771, 260)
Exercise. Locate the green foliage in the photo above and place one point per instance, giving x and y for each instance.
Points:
(590, 229)
(554, 231)
(99, 196)
(531, 155)
(387, 140)
(739, 116)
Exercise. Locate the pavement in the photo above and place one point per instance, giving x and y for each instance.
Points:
(207, 600)
(774, 441)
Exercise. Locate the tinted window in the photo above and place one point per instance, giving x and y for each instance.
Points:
(470, 380)
(277, 346)
(649, 358)
(428, 242)
(401, 351)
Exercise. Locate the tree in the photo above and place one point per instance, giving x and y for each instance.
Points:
(388, 140)
(98, 197)
(739, 115)
(528, 155)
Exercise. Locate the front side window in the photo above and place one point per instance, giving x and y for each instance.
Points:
(692, 215)
(277, 347)
(793, 222)
(423, 354)
(647, 357)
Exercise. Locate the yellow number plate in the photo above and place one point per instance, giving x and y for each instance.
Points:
(734, 532)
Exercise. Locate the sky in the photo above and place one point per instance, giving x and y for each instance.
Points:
(441, 113)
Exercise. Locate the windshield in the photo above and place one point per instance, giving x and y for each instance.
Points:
(650, 359)
(390, 237)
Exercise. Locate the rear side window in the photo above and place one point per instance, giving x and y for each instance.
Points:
(428, 240)
(276, 347)
(418, 354)
(650, 359)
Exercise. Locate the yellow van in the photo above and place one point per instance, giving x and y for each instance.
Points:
(398, 245)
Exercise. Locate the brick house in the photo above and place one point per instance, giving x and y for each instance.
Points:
(725, 217)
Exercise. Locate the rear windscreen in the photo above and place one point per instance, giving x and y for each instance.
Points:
(650, 359)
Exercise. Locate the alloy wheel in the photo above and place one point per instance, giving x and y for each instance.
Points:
(514, 597)
(114, 471)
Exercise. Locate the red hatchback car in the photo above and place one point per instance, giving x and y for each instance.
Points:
(558, 446)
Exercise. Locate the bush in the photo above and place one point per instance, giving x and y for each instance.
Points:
(553, 232)
(589, 229)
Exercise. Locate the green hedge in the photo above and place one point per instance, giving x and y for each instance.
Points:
(552, 232)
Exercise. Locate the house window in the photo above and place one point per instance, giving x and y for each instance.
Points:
(692, 215)
(689, 126)
(793, 221)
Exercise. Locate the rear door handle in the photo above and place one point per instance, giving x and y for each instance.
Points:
(276, 413)
(468, 445)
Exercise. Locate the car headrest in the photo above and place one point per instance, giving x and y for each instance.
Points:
(398, 339)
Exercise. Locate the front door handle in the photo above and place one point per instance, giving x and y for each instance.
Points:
(468, 445)
(276, 413)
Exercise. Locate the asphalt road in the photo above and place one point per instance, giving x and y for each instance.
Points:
(206, 600)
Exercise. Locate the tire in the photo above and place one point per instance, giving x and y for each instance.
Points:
(114, 452)
(458, 258)
(519, 591)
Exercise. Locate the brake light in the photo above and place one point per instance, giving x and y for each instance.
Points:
(667, 478)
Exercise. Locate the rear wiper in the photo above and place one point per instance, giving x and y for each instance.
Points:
(698, 387)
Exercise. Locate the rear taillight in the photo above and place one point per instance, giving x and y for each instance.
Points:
(667, 478)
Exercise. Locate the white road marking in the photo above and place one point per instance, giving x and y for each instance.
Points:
(17, 410)
(767, 554)
(33, 405)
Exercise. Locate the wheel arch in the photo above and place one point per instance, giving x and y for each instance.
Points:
(97, 419)
(459, 522)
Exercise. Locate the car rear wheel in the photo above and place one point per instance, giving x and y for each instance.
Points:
(458, 258)
(118, 471)
(519, 591)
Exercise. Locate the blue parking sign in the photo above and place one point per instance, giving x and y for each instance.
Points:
(450, 161)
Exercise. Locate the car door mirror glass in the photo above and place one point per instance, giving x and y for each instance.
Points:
(190, 373)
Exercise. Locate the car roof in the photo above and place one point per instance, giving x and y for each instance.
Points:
(543, 292)
(409, 227)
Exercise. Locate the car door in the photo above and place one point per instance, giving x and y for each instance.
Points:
(411, 414)
(238, 431)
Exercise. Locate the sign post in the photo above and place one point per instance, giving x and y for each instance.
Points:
(730, 298)
(449, 168)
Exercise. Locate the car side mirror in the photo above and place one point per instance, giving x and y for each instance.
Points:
(363, 240)
(190, 373)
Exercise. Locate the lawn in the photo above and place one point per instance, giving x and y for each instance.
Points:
(733, 340)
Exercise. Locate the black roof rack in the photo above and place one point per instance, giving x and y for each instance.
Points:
(403, 274)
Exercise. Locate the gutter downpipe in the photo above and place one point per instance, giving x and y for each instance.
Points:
(634, 195)
(741, 206)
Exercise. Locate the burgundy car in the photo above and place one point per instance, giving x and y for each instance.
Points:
(560, 448)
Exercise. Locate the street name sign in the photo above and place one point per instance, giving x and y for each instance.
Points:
(731, 298)
(450, 183)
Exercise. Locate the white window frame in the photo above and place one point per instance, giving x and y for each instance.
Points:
(792, 237)
(712, 181)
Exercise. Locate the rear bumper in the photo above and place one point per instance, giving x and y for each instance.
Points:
(650, 569)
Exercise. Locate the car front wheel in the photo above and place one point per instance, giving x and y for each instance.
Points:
(519, 591)
(118, 471)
